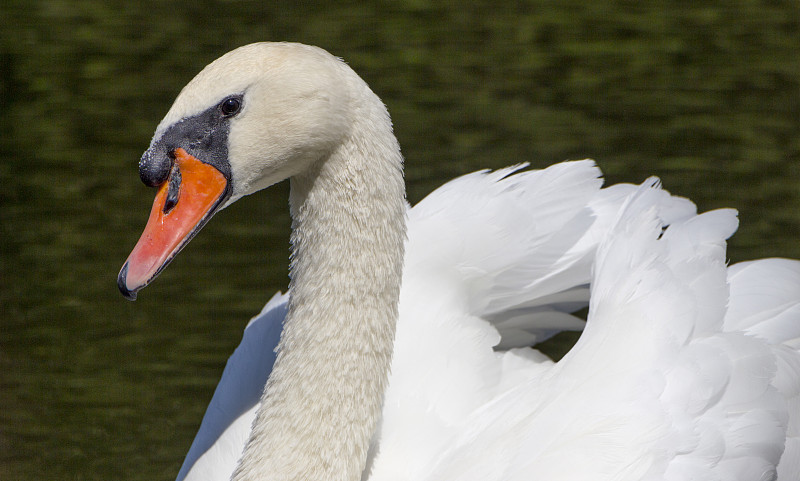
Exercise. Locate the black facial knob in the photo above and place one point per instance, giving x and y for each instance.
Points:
(155, 165)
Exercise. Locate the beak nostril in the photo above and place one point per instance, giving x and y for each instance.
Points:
(173, 190)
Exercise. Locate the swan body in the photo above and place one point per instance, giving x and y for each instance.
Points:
(686, 369)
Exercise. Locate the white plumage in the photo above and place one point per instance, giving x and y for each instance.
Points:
(493, 254)
(686, 368)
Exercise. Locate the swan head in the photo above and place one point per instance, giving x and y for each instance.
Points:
(257, 115)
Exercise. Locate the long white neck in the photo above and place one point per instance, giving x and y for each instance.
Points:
(323, 398)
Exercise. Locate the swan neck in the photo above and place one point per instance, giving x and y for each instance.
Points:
(323, 398)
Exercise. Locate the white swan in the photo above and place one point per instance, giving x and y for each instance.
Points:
(664, 383)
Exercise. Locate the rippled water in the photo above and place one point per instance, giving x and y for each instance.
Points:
(94, 387)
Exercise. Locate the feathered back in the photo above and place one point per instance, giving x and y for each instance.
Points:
(490, 254)
(654, 389)
(518, 246)
(765, 303)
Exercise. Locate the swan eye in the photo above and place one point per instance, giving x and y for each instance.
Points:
(230, 106)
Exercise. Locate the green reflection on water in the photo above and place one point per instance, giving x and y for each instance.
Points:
(707, 97)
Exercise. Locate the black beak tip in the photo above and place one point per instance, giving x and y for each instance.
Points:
(123, 286)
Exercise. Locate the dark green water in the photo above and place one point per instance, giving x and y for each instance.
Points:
(95, 387)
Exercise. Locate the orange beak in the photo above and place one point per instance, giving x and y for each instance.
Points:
(183, 204)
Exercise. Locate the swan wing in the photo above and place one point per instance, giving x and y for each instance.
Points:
(518, 246)
(654, 389)
(503, 241)
(509, 275)
(765, 302)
